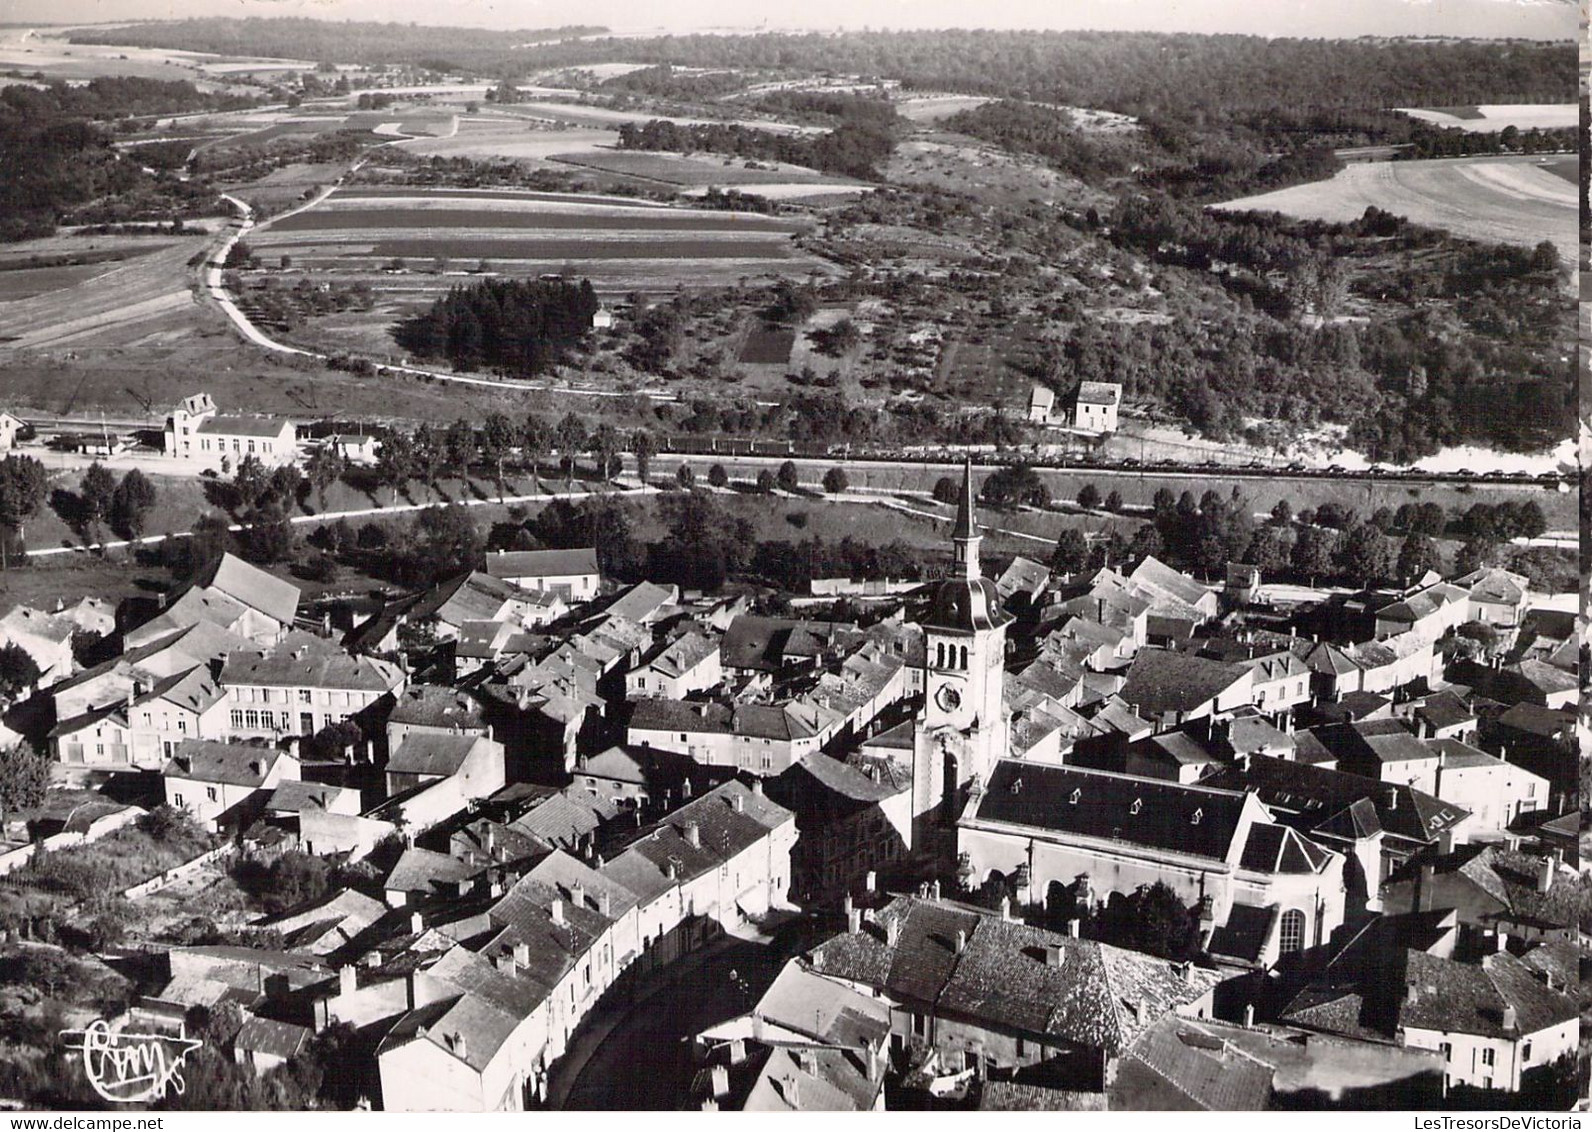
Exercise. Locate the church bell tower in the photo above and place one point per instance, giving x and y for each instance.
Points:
(963, 729)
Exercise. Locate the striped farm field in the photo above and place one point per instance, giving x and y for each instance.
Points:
(1506, 200)
(611, 241)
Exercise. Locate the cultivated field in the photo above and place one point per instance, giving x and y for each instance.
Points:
(698, 170)
(1502, 200)
(1491, 119)
(617, 246)
(114, 303)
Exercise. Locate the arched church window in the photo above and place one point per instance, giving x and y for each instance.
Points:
(1291, 936)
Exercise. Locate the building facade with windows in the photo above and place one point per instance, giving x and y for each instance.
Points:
(296, 691)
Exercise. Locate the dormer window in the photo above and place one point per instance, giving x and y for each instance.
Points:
(1017, 786)
(1076, 794)
(1198, 816)
(1138, 804)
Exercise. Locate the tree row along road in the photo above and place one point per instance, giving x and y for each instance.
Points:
(864, 496)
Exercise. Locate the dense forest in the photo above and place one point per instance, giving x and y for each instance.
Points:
(1139, 73)
(852, 149)
(325, 41)
(56, 156)
(514, 326)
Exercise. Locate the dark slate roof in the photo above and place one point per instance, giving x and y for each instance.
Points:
(1160, 680)
(1244, 934)
(1278, 849)
(1149, 812)
(1535, 719)
(429, 705)
(540, 563)
(966, 605)
(243, 426)
(845, 780)
(1193, 1066)
(199, 760)
(1315, 793)
(432, 753)
(1367, 746)
(1010, 1096)
(1444, 710)
(1096, 995)
(279, 1039)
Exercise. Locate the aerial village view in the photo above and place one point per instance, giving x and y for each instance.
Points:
(568, 564)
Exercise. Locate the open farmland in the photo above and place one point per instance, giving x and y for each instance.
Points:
(698, 170)
(117, 302)
(1500, 200)
(617, 246)
(1492, 119)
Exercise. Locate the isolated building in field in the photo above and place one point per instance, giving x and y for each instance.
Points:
(1094, 407)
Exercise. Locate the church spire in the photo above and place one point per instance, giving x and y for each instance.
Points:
(964, 535)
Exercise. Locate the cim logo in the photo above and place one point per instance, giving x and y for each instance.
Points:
(124, 1066)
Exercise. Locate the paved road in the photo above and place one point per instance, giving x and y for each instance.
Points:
(642, 1059)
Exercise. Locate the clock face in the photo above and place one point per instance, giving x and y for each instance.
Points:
(948, 697)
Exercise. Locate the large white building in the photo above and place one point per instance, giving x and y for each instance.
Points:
(197, 432)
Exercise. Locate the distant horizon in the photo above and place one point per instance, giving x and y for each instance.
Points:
(1304, 19)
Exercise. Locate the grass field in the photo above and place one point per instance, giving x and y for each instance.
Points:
(28, 282)
(1502, 200)
(1491, 119)
(766, 345)
(113, 302)
(695, 170)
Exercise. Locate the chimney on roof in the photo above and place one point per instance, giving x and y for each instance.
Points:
(1006, 908)
(1392, 797)
(417, 923)
(1423, 890)
(522, 955)
(1074, 927)
(934, 889)
(737, 803)
(720, 1081)
(1545, 870)
(457, 1044)
(1055, 955)
(256, 766)
(961, 941)
(692, 834)
(1412, 993)
(556, 911)
(605, 902)
(892, 931)
(1249, 1016)
(577, 895)
(347, 980)
(853, 916)
(1511, 1019)
(792, 1092)
(504, 963)
(873, 881)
